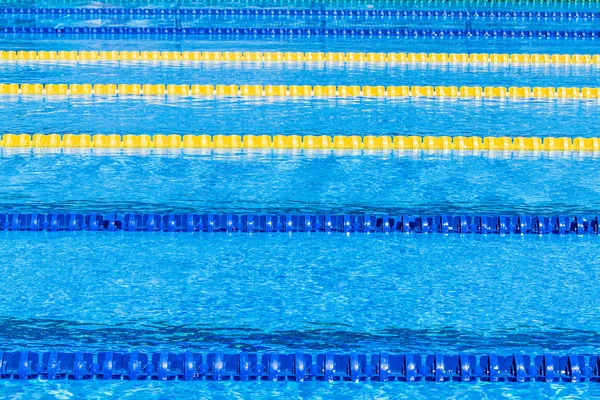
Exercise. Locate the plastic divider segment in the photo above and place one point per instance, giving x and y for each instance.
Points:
(299, 367)
(109, 89)
(445, 224)
(309, 142)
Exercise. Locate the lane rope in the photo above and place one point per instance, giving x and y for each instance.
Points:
(306, 12)
(328, 223)
(298, 366)
(378, 4)
(152, 57)
(249, 32)
(299, 91)
(307, 142)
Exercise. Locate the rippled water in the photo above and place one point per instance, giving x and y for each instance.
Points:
(229, 73)
(285, 182)
(295, 43)
(319, 4)
(246, 21)
(260, 390)
(313, 292)
(352, 116)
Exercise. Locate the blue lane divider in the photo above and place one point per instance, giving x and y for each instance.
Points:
(446, 224)
(303, 12)
(298, 366)
(370, 32)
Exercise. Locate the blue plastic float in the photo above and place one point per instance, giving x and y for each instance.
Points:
(445, 224)
(299, 367)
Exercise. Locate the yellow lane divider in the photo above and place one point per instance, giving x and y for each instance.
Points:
(300, 91)
(310, 142)
(277, 56)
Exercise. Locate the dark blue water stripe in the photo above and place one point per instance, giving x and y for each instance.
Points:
(368, 32)
(306, 12)
(445, 224)
(298, 367)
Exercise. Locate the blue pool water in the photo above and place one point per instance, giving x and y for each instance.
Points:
(281, 182)
(259, 390)
(397, 293)
(303, 116)
(258, 73)
(286, 43)
(263, 21)
(315, 292)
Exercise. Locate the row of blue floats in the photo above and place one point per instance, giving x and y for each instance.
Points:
(299, 367)
(301, 12)
(445, 224)
(515, 33)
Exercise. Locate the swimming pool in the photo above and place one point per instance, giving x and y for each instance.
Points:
(303, 292)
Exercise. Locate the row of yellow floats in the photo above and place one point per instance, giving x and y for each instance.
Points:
(301, 142)
(275, 56)
(300, 91)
